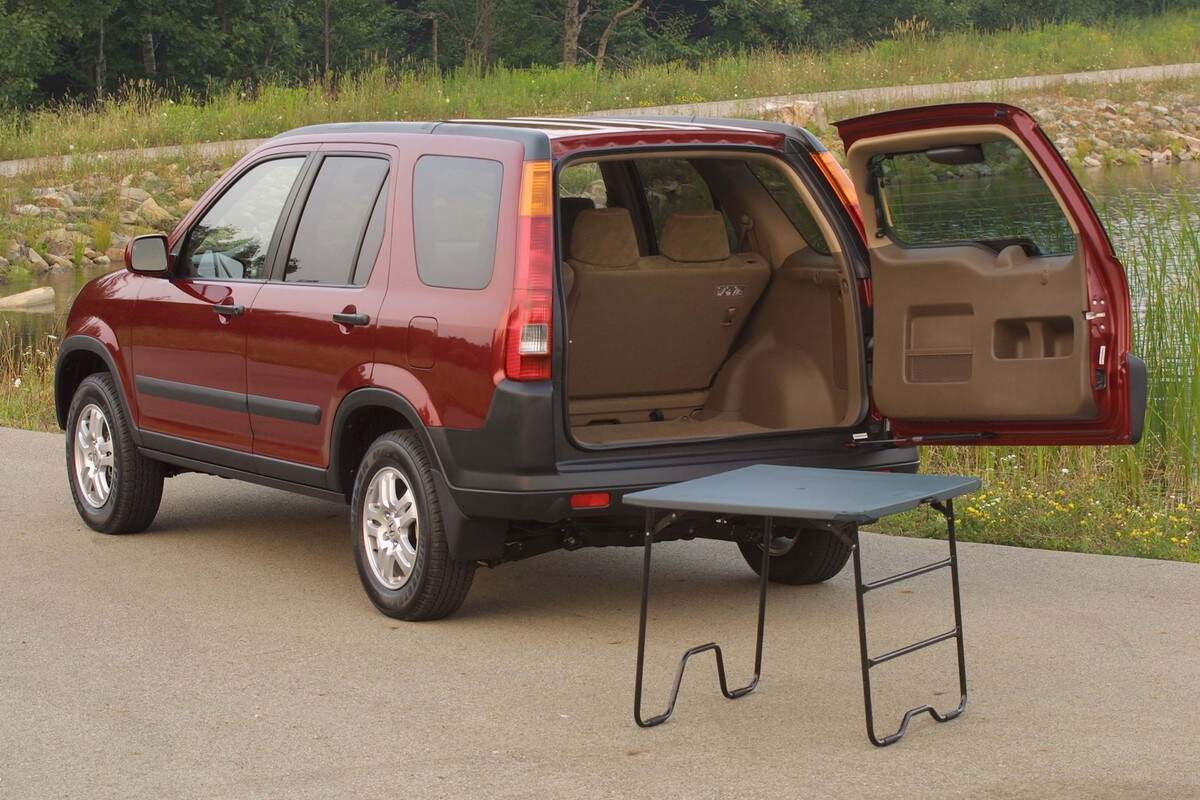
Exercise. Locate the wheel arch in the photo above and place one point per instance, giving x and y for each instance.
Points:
(366, 413)
(78, 357)
(361, 417)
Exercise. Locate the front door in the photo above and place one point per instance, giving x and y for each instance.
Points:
(1001, 313)
(312, 326)
(189, 332)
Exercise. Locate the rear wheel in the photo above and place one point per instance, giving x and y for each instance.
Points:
(800, 556)
(115, 488)
(400, 545)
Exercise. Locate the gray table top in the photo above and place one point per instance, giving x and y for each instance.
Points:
(841, 495)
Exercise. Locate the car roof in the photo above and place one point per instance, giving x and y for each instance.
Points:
(537, 134)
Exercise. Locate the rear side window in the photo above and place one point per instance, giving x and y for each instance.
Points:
(335, 219)
(989, 194)
(791, 204)
(232, 238)
(456, 210)
(672, 185)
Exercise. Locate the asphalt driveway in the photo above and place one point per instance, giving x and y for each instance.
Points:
(229, 652)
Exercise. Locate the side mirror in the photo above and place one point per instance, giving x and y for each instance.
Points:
(147, 255)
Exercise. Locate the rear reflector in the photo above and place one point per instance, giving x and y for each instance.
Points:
(591, 500)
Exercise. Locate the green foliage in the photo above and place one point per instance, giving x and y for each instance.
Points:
(54, 50)
(146, 114)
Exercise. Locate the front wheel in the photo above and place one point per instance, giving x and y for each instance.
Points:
(115, 488)
(400, 545)
(799, 556)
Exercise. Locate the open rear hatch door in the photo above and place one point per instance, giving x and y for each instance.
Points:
(1002, 315)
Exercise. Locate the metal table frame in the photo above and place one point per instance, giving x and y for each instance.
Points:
(654, 526)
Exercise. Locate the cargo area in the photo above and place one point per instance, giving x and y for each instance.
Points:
(705, 299)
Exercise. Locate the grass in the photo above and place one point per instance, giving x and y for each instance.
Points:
(1137, 501)
(143, 116)
(27, 377)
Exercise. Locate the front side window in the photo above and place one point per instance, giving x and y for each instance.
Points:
(232, 238)
(456, 212)
(334, 224)
(989, 194)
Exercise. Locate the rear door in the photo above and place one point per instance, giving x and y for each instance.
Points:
(1002, 314)
(311, 328)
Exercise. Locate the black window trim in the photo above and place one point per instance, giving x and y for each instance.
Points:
(296, 211)
(413, 216)
(280, 224)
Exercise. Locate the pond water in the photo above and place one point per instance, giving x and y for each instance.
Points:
(1125, 196)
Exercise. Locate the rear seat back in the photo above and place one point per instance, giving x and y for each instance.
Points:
(656, 325)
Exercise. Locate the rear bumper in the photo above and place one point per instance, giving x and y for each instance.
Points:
(520, 465)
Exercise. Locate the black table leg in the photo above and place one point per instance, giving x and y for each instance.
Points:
(947, 511)
(768, 529)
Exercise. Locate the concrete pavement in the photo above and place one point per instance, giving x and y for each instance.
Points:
(230, 652)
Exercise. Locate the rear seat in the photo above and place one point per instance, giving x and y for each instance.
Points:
(658, 325)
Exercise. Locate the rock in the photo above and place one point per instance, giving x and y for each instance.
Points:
(154, 215)
(799, 113)
(59, 262)
(41, 296)
(1098, 143)
(1092, 161)
(35, 260)
(126, 181)
(28, 210)
(127, 217)
(14, 251)
(1144, 152)
(1160, 109)
(186, 205)
(61, 242)
(115, 254)
(89, 252)
(102, 261)
(54, 199)
(134, 194)
(3, 262)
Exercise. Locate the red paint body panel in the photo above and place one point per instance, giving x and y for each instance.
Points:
(297, 353)
(458, 388)
(177, 336)
(1107, 286)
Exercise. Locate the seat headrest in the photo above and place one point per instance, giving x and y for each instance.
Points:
(694, 236)
(604, 237)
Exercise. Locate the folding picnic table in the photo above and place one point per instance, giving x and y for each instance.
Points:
(839, 499)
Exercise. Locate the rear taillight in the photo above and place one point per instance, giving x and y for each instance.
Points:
(842, 185)
(528, 340)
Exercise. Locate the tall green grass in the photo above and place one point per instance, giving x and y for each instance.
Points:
(143, 115)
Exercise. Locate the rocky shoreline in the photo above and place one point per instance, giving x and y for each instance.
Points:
(85, 222)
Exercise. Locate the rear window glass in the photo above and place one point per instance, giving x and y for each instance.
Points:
(671, 185)
(989, 194)
(326, 247)
(791, 204)
(456, 210)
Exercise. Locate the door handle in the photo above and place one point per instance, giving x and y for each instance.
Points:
(344, 318)
(227, 310)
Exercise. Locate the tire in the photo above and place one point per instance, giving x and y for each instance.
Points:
(817, 555)
(400, 545)
(100, 443)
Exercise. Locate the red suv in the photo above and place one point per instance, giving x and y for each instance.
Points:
(481, 334)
